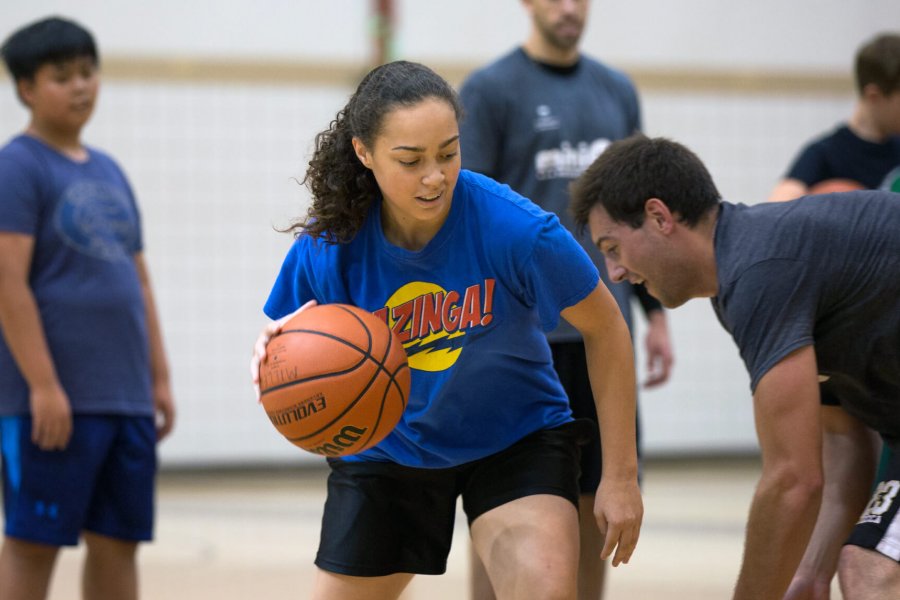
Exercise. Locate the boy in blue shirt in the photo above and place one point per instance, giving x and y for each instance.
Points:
(84, 386)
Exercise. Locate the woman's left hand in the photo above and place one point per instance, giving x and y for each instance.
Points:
(619, 511)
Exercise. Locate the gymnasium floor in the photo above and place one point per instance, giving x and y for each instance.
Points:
(232, 535)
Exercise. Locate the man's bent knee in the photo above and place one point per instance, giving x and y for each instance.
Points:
(866, 573)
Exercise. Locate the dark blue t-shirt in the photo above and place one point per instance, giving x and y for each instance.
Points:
(822, 271)
(498, 273)
(86, 230)
(537, 127)
(843, 155)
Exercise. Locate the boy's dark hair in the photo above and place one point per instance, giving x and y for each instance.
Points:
(631, 171)
(878, 62)
(49, 40)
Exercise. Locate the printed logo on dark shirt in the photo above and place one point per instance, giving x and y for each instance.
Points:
(568, 161)
(544, 119)
(97, 219)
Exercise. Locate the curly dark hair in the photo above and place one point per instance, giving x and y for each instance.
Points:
(342, 187)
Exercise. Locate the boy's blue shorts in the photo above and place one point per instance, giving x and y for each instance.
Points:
(103, 482)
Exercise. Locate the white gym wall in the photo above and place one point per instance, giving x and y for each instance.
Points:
(211, 108)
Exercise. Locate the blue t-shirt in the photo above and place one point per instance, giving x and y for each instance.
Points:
(86, 229)
(537, 127)
(499, 272)
(822, 271)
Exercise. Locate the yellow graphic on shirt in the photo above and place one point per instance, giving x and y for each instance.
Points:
(432, 322)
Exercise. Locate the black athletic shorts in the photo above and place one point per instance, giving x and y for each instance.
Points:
(382, 518)
(879, 526)
(570, 363)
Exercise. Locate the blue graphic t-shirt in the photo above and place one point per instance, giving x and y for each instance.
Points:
(498, 273)
(86, 231)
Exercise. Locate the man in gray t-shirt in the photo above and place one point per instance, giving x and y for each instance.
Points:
(810, 292)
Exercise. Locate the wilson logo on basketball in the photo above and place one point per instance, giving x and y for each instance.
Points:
(335, 381)
(340, 444)
(431, 321)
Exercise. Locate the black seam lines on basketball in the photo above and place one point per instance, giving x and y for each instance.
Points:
(393, 376)
(383, 395)
(392, 383)
(367, 355)
(352, 404)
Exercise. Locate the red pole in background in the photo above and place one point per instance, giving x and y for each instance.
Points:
(383, 31)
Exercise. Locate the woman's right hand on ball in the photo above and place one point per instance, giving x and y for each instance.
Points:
(268, 332)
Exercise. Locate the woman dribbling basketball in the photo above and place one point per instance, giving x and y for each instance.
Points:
(470, 274)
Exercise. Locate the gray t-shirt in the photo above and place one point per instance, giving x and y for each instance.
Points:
(822, 271)
(536, 128)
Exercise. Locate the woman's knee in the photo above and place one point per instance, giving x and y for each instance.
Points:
(334, 586)
(530, 547)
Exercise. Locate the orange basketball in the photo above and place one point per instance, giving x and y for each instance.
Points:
(830, 186)
(335, 380)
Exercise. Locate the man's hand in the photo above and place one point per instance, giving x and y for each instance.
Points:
(659, 350)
